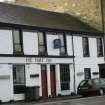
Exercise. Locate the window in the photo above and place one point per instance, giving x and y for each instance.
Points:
(63, 50)
(99, 47)
(85, 47)
(42, 43)
(19, 79)
(87, 72)
(65, 76)
(17, 41)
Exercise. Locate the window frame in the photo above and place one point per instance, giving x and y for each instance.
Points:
(100, 52)
(44, 45)
(63, 46)
(85, 44)
(89, 73)
(19, 88)
(20, 40)
(65, 84)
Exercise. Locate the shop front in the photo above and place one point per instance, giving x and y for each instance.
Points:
(51, 76)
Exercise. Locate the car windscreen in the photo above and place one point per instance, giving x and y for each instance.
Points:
(85, 83)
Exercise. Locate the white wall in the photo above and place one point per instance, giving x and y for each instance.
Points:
(30, 43)
(50, 45)
(36, 69)
(86, 62)
(69, 45)
(6, 42)
(6, 83)
(33, 81)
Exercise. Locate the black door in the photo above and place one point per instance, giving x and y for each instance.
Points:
(102, 71)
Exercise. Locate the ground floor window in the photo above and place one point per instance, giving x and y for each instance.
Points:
(19, 79)
(87, 72)
(65, 76)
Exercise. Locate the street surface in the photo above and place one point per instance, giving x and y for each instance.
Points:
(98, 100)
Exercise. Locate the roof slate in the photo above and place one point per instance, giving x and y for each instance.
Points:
(20, 15)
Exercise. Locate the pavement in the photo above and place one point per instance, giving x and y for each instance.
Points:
(96, 100)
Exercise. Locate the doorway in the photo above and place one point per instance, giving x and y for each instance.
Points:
(53, 80)
(44, 80)
(102, 71)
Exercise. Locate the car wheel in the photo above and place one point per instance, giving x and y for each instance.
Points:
(101, 92)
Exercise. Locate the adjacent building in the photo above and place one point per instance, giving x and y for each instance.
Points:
(49, 50)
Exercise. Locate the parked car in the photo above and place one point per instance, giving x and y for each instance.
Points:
(92, 86)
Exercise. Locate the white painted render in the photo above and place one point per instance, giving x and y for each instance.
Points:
(32, 64)
(6, 83)
(32, 60)
(69, 45)
(86, 62)
(50, 45)
(32, 69)
(30, 43)
(6, 42)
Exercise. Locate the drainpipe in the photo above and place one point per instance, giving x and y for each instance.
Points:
(103, 23)
(73, 64)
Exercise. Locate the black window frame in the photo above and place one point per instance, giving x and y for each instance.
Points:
(19, 88)
(21, 42)
(99, 47)
(85, 43)
(65, 77)
(87, 73)
(63, 46)
(44, 45)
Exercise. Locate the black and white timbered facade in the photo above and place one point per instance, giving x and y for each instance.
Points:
(52, 51)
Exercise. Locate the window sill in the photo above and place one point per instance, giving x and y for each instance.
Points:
(100, 56)
(64, 54)
(86, 56)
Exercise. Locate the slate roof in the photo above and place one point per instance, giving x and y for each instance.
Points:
(20, 15)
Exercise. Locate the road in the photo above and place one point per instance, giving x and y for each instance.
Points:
(98, 100)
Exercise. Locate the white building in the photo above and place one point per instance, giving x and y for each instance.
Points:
(53, 51)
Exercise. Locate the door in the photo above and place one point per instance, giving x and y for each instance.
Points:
(53, 80)
(44, 80)
(19, 82)
(102, 71)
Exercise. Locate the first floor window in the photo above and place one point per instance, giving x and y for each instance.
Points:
(99, 47)
(65, 76)
(17, 41)
(18, 78)
(63, 50)
(85, 47)
(87, 72)
(42, 43)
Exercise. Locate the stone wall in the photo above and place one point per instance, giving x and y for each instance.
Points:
(88, 11)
